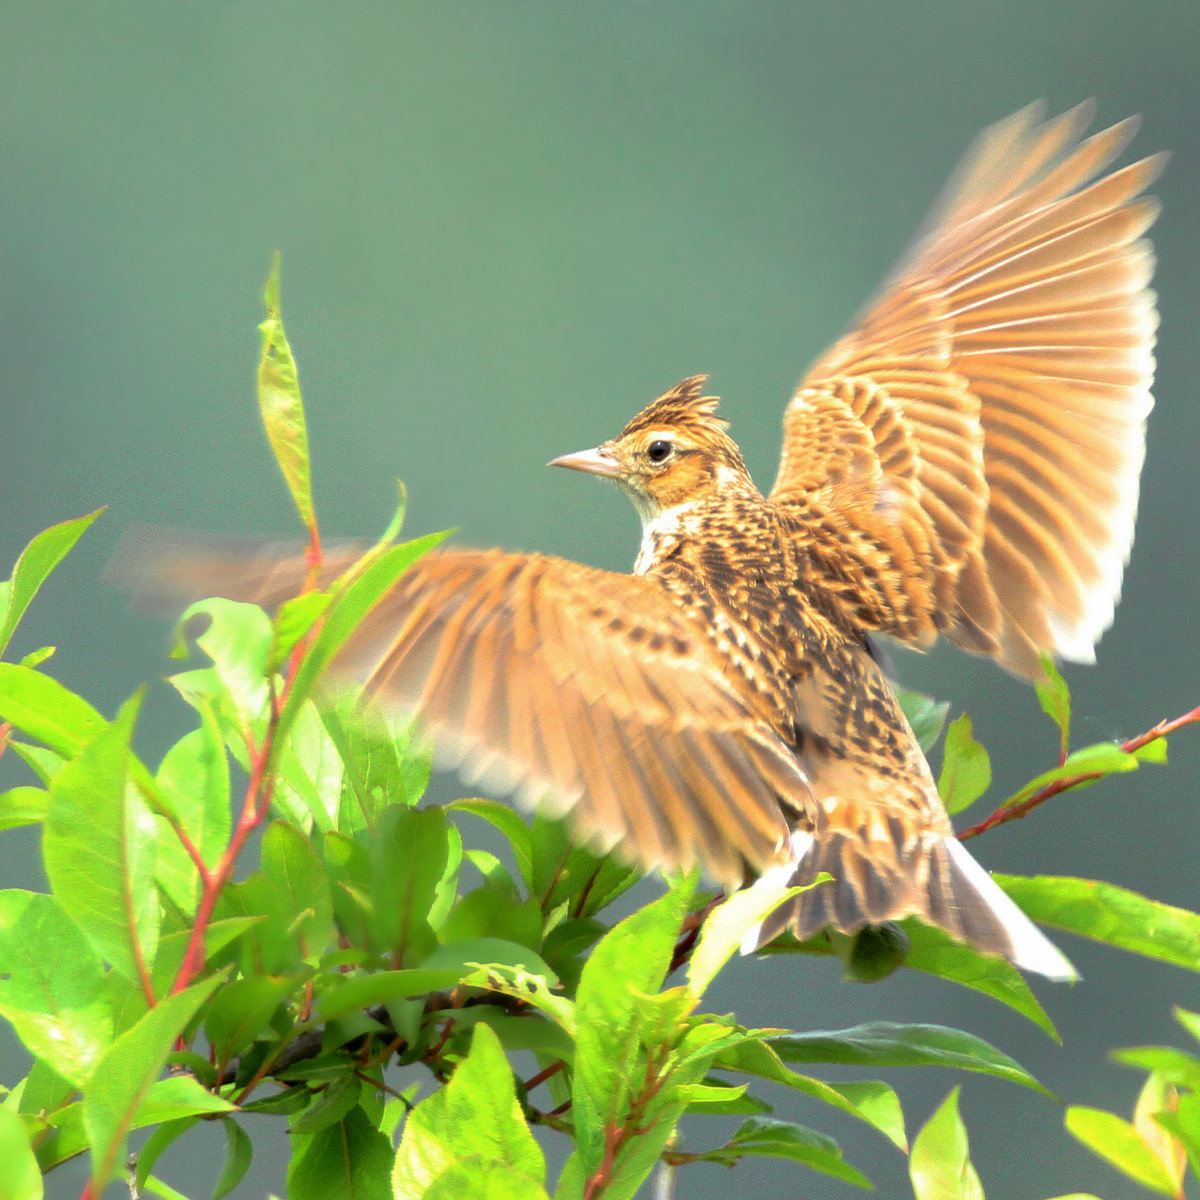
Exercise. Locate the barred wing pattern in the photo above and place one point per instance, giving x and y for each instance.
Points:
(589, 694)
(982, 429)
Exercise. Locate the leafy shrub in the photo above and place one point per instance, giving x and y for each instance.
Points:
(375, 942)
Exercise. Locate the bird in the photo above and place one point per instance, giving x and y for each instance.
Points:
(964, 463)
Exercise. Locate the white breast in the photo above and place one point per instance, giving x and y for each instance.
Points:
(660, 528)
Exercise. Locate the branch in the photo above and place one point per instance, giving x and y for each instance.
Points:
(1012, 812)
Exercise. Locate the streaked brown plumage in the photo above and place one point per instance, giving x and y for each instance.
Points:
(964, 462)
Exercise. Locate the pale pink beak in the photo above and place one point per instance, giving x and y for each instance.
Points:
(596, 462)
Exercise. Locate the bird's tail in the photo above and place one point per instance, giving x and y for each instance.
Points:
(933, 878)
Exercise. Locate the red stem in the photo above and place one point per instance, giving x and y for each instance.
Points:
(1013, 812)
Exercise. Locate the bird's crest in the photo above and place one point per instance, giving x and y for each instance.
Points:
(683, 405)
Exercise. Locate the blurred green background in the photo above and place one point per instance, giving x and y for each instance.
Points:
(505, 227)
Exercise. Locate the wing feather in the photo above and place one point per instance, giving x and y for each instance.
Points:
(1014, 348)
(588, 693)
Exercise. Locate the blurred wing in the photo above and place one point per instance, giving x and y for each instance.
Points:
(981, 432)
(584, 692)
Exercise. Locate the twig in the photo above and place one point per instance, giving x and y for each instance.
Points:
(1013, 812)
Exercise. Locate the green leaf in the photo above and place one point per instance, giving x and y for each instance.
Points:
(52, 985)
(239, 1152)
(382, 987)
(410, 857)
(1100, 761)
(872, 1102)
(564, 872)
(631, 960)
(884, 1044)
(1055, 698)
(937, 953)
(940, 1166)
(99, 849)
(241, 1010)
(158, 1141)
(966, 767)
(308, 773)
(176, 1097)
(476, 1115)
(46, 711)
(291, 862)
(1109, 914)
(37, 560)
(533, 991)
(21, 1179)
(24, 805)
(380, 570)
(1117, 1142)
(723, 1098)
(782, 1139)
(1184, 1124)
(293, 621)
(349, 1160)
(481, 1180)
(238, 642)
(330, 1104)
(924, 714)
(462, 956)
(383, 760)
(123, 1078)
(280, 404)
(1152, 752)
(193, 781)
(726, 927)
(1189, 1020)
(510, 823)
(1175, 1066)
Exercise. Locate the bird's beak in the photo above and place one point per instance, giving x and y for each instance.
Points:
(596, 462)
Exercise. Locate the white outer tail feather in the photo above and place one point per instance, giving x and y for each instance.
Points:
(1031, 949)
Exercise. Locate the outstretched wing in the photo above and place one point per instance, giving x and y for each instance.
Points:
(976, 441)
(588, 693)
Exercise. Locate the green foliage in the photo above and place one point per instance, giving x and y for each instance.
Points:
(366, 948)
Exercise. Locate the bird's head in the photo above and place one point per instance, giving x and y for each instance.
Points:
(673, 452)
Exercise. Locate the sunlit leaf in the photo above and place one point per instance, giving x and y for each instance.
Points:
(937, 953)
(280, 404)
(940, 1165)
(476, 1116)
(20, 1178)
(23, 805)
(1117, 1142)
(884, 1044)
(99, 850)
(725, 928)
(1055, 698)
(632, 958)
(125, 1075)
(32, 568)
(1158, 1096)
(1109, 914)
(966, 767)
(193, 780)
(52, 985)
(46, 711)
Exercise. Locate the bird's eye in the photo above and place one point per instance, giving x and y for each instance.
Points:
(658, 451)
